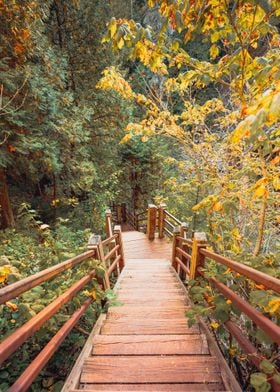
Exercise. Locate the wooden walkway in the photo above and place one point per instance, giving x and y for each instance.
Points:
(145, 344)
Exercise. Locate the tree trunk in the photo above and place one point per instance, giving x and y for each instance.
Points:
(6, 209)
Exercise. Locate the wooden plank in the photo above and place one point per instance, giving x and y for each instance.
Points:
(151, 295)
(148, 327)
(150, 345)
(152, 387)
(147, 311)
(155, 302)
(128, 285)
(139, 291)
(150, 369)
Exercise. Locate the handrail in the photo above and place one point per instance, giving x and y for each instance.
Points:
(173, 217)
(263, 322)
(31, 372)
(112, 251)
(109, 240)
(260, 277)
(170, 234)
(17, 288)
(18, 337)
(168, 223)
(188, 258)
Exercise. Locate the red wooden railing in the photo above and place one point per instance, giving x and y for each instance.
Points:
(124, 213)
(109, 252)
(190, 255)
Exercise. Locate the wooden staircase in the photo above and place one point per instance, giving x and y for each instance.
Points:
(145, 344)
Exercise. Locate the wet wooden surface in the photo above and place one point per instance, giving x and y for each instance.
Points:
(145, 343)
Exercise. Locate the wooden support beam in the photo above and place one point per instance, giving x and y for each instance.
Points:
(152, 221)
(161, 218)
(184, 247)
(199, 241)
(176, 234)
(108, 218)
(118, 232)
(95, 241)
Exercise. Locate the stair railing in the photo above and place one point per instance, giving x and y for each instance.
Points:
(189, 257)
(110, 254)
(124, 213)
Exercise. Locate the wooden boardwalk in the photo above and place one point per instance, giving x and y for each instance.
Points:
(145, 344)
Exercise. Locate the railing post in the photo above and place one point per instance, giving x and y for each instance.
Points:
(176, 234)
(118, 232)
(199, 241)
(95, 241)
(183, 234)
(161, 217)
(152, 221)
(109, 231)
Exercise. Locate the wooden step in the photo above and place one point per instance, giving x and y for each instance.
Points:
(150, 369)
(152, 387)
(148, 327)
(150, 345)
(151, 312)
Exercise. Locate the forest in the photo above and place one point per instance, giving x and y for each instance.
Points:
(140, 101)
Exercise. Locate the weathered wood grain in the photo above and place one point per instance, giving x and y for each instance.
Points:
(153, 387)
(150, 369)
(145, 344)
(148, 327)
(144, 312)
(150, 345)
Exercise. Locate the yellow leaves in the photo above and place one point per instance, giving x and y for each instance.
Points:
(126, 138)
(91, 293)
(214, 51)
(214, 325)
(274, 305)
(242, 130)
(112, 79)
(217, 206)
(151, 55)
(12, 306)
(4, 272)
(276, 183)
(274, 110)
(112, 27)
(232, 351)
(260, 188)
(235, 233)
(55, 202)
(120, 43)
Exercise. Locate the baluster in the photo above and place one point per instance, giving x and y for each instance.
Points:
(183, 234)
(118, 231)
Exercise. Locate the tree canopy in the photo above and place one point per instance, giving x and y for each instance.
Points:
(164, 101)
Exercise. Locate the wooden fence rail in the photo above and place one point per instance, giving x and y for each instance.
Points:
(190, 256)
(109, 252)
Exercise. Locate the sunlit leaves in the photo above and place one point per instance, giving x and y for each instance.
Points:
(112, 79)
